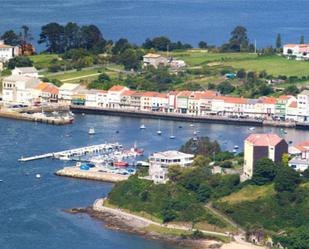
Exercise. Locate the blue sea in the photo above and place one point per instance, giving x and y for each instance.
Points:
(188, 21)
(31, 209)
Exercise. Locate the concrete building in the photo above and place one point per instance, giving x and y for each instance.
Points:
(160, 162)
(297, 51)
(114, 95)
(66, 92)
(154, 60)
(7, 52)
(299, 164)
(26, 71)
(303, 105)
(18, 89)
(259, 146)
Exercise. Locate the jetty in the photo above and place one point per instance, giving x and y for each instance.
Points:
(92, 174)
(82, 151)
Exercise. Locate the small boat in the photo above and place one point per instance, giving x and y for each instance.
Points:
(236, 147)
(252, 128)
(37, 176)
(117, 131)
(120, 164)
(191, 125)
(91, 131)
(159, 133)
(1, 180)
(179, 126)
(142, 127)
(234, 151)
(195, 132)
(172, 137)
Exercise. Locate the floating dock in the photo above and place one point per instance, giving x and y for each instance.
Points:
(67, 154)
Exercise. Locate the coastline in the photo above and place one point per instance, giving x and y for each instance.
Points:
(119, 220)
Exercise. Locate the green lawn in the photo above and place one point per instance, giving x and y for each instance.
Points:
(274, 65)
(43, 60)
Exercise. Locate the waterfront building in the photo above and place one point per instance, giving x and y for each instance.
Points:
(291, 111)
(159, 163)
(7, 52)
(67, 91)
(259, 146)
(18, 89)
(26, 71)
(136, 100)
(125, 101)
(182, 101)
(159, 102)
(102, 98)
(114, 95)
(299, 164)
(154, 60)
(303, 105)
(297, 51)
(172, 98)
(146, 100)
(281, 106)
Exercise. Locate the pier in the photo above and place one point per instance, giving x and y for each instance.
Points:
(67, 154)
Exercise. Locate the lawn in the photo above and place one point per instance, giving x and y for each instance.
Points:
(250, 193)
(274, 65)
(43, 60)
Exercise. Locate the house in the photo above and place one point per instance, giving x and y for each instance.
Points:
(26, 71)
(67, 91)
(45, 92)
(303, 106)
(114, 95)
(281, 106)
(154, 60)
(125, 101)
(182, 101)
(18, 89)
(265, 107)
(7, 52)
(259, 146)
(299, 164)
(300, 154)
(172, 98)
(291, 111)
(102, 99)
(136, 100)
(297, 51)
(159, 102)
(205, 102)
(160, 162)
(146, 100)
(177, 64)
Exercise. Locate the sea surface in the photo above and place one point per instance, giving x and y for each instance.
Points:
(31, 209)
(186, 20)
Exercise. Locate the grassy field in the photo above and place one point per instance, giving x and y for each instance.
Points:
(43, 60)
(250, 193)
(274, 65)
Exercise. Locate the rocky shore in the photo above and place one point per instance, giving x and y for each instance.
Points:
(120, 223)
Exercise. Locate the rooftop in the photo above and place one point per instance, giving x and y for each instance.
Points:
(264, 139)
(69, 86)
(150, 55)
(172, 154)
(117, 88)
(27, 69)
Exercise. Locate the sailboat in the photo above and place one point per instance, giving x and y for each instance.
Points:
(172, 133)
(159, 132)
(91, 131)
(142, 127)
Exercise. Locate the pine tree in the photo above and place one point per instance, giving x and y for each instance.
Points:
(278, 41)
(302, 39)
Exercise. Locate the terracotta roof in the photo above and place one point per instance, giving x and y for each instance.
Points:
(233, 100)
(5, 46)
(268, 100)
(149, 94)
(116, 88)
(293, 104)
(295, 45)
(41, 86)
(285, 97)
(161, 95)
(128, 93)
(184, 94)
(51, 89)
(264, 139)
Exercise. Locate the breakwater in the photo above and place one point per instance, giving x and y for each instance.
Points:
(75, 172)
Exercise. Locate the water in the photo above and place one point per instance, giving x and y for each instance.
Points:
(185, 20)
(31, 210)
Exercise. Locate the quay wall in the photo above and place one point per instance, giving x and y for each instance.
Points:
(167, 116)
(75, 172)
(20, 116)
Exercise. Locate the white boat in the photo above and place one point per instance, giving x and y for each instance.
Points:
(91, 131)
(252, 128)
(142, 127)
(172, 136)
(65, 158)
(191, 125)
(234, 151)
(194, 133)
(159, 132)
(37, 176)
(1, 180)
(236, 147)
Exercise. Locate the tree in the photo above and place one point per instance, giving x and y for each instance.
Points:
(174, 173)
(103, 77)
(26, 34)
(200, 161)
(302, 40)
(241, 74)
(239, 40)
(306, 173)
(286, 179)
(20, 61)
(130, 58)
(202, 45)
(225, 87)
(201, 146)
(278, 41)
(204, 192)
(72, 36)
(120, 46)
(52, 35)
(91, 37)
(291, 90)
(264, 171)
(11, 38)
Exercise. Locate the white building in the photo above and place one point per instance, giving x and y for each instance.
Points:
(299, 164)
(177, 64)
(18, 89)
(303, 105)
(102, 99)
(160, 162)
(114, 95)
(299, 51)
(66, 92)
(26, 71)
(7, 52)
(154, 60)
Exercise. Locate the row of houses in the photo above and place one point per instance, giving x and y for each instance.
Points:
(24, 86)
(297, 51)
